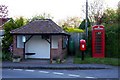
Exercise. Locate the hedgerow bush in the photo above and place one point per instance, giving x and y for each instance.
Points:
(112, 40)
(69, 29)
(8, 38)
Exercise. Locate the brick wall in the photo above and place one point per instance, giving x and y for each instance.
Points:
(1, 28)
(55, 53)
(17, 51)
(60, 52)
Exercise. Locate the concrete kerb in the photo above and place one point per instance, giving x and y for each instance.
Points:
(55, 66)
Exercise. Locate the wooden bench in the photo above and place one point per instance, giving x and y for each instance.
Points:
(28, 54)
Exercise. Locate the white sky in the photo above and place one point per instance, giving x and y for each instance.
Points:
(59, 9)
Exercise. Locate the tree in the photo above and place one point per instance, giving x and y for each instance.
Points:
(95, 11)
(8, 39)
(118, 12)
(110, 16)
(3, 11)
(41, 16)
(82, 25)
(73, 22)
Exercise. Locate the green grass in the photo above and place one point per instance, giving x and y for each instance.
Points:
(109, 61)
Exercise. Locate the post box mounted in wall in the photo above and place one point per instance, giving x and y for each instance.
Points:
(82, 47)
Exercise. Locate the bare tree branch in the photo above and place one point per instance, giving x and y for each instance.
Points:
(95, 11)
(3, 11)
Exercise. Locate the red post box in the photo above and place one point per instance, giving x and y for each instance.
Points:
(82, 45)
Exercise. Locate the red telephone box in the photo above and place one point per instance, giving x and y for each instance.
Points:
(98, 41)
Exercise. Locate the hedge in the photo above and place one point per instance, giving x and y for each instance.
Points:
(74, 30)
(112, 40)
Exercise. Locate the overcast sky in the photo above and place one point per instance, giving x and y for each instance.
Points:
(59, 9)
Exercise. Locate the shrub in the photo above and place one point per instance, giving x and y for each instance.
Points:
(8, 39)
(112, 40)
(73, 30)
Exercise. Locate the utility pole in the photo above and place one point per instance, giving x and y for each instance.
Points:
(86, 21)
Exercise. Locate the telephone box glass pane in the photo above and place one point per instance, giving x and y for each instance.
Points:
(98, 42)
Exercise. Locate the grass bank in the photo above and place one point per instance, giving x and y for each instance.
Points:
(109, 61)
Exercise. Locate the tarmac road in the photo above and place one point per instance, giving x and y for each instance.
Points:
(86, 74)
